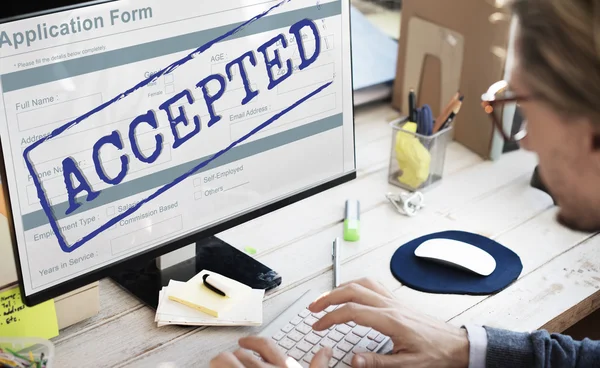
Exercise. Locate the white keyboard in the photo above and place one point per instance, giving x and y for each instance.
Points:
(294, 335)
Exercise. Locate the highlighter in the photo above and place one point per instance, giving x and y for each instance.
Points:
(352, 221)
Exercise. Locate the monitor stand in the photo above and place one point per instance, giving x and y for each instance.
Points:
(145, 280)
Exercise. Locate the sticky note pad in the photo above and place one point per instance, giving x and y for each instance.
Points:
(196, 295)
(18, 320)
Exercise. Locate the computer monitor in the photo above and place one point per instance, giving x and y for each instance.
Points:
(130, 129)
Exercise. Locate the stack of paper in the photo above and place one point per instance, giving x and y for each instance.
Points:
(193, 303)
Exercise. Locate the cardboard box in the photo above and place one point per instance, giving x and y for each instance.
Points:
(447, 46)
(72, 307)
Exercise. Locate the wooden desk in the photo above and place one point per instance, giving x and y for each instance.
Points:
(558, 286)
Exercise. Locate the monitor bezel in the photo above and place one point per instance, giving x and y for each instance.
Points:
(174, 244)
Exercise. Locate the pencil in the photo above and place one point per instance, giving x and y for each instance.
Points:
(452, 116)
(439, 121)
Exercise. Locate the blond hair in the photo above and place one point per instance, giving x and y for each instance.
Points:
(558, 47)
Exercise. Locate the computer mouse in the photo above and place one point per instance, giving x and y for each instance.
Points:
(457, 254)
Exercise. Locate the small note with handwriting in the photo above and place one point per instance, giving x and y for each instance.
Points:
(18, 320)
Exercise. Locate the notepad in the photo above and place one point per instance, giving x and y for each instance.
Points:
(247, 313)
(195, 294)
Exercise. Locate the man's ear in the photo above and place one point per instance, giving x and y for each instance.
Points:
(596, 142)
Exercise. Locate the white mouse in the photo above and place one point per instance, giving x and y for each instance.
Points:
(457, 254)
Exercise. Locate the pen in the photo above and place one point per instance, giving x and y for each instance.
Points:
(451, 117)
(412, 106)
(335, 254)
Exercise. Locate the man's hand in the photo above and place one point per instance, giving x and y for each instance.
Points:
(419, 341)
(272, 356)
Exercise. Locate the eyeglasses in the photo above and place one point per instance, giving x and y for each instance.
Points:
(500, 99)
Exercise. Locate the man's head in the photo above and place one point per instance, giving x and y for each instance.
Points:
(557, 52)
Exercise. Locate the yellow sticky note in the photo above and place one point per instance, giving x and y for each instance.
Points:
(18, 320)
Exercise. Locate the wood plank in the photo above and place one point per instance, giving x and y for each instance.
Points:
(188, 352)
(113, 302)
(313, 259)
(372, 123)
(199, 347)
(381, 225)
(511, 206)
(544, 296)
(260, 229)
(369, 190)
(536, 242)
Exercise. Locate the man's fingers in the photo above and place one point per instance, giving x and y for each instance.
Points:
(350, 293)
(373, 360)
(322, 358)
(372, 285)
(248, 359)
(225, 360)
(377, 318)
(265, 347)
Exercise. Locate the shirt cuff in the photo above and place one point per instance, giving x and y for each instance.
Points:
(477, 345)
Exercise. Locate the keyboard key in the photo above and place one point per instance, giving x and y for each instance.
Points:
(359, 349)
(342, 365)
(287, 328)
(310, 320)
(353, 339)
(360, 331)
(327, 342)
(332, 363)
(295, 335)
(296, 320)
(348, 358)
(304, 345)
(351, 324)
(304, 364)
(332, 327)
(372, 334)
(282, 349)
(335, 336)
(312, 338)
(287, 343)
(316, 349)
(279, 335)
(338, 354)
(308, 357)
(303, 328)
(380, 338)
(344, 329)
(319, 315)
(305, 313)
(296, 353)
(322, 333)
(372, 345)
(346, 347)
(330, 309)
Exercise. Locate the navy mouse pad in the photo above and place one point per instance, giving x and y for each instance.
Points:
(427, 276)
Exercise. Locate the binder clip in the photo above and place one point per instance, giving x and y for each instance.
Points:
(407, 203)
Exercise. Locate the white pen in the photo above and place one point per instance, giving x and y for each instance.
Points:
(335, 255)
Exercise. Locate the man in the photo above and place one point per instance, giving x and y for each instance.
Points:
(556, 82)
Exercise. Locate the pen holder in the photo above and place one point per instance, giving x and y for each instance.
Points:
(416, 161)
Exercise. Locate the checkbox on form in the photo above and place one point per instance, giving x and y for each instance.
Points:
(197, 195)
(169, 88)
(110, 211)
(197, 182)
(169, 78)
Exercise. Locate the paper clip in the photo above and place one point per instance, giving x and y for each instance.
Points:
(407, 203)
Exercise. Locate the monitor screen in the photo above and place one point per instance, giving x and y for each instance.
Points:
(129, 125)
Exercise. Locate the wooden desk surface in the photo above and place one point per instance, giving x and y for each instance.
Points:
(559, 284)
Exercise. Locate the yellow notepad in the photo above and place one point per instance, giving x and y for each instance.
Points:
(196, 295)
